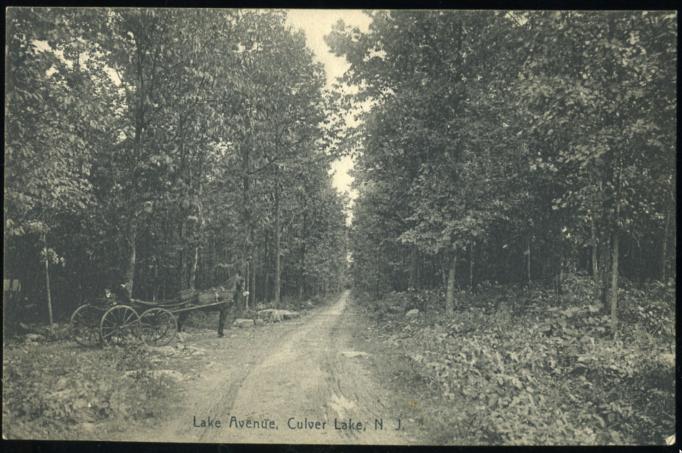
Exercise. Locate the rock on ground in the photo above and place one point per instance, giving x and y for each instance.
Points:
(412, 313)
(352, 354)
(241, 323)
(172, 374)
(276, 315)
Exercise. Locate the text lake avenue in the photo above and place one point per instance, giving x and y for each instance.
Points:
(293, 423)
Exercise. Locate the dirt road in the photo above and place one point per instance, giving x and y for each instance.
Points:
(299, 381)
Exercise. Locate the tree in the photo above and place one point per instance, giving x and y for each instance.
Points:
(528, 136)
(167, 148)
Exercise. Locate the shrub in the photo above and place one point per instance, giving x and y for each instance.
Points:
(514, 367)
(55, 387)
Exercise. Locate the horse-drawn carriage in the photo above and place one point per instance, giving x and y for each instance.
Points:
(122, 320)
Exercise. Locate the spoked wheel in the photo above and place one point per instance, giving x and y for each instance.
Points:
(158, 326)
(85, 325)
(120, 325)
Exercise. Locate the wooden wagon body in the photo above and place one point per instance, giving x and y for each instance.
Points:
(109, 321)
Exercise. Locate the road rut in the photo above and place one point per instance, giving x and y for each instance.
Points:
(303, 380)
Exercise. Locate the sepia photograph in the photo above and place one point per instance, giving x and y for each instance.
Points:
(340, 226)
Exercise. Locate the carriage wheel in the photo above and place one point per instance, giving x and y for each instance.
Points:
(120, 325)
(85, 325)
(158, 326)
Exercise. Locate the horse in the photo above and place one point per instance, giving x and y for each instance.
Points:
(233, 288)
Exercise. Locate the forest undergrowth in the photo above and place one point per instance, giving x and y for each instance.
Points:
(519, 366)
(55, 389)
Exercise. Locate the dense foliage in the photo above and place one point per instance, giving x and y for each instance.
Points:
(541, 374)
(513, 147)
(166, 149)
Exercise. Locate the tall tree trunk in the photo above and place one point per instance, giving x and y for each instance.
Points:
(183, 254)
(278, 235)
(193, 268)
(196, 235)
(210, 266)
(246, 207)
(664, 245)
(445, 262)
(157, 286)
(168, 231)
(377, 285)
(129, 273)
(528, 261)
(247, 281)
(301, 287)
(615, 245)
(471, 268)
(595, 257)
(301, 277)
(48, 290)
(268, 290)
(614, 284)
(138, 140)
(252, 285)
(605, 265)
(559, 278)
(450, 296)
